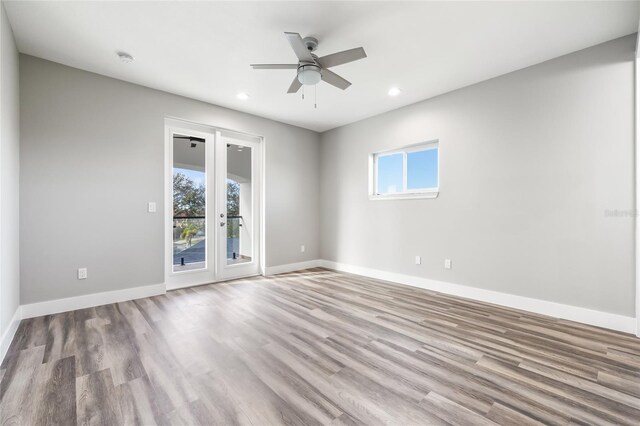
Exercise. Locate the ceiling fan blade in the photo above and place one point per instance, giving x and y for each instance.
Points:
(334, 79)
(295, 85)
(274, 66)
(299, 48)
(343, 57)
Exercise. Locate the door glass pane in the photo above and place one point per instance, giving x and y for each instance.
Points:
(422, 169)
(239, 204)
(189, 203)
(390, 173)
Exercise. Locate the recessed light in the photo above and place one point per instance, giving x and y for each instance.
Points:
(242, 96)
(394, 91)
(125, 57)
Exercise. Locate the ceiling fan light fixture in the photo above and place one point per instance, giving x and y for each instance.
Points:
(309, 74)
(242, 96)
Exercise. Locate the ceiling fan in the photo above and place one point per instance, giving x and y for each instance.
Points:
(311, 68)
(192, 139)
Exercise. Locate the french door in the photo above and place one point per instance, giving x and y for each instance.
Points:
(213, 205)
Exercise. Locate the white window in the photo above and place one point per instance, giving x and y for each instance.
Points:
(408, 172)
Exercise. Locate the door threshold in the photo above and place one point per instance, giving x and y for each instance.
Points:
(199, 284)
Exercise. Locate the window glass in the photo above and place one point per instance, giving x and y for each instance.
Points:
(239, 203)
(407, 172)
(390, 173)
(422, 169)
(189, 203)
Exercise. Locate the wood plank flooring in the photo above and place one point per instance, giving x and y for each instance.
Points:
(315, 347)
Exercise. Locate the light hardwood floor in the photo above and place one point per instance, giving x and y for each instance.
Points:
(316, 347)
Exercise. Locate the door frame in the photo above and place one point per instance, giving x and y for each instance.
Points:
(211, 274)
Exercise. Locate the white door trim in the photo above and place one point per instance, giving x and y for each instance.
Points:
(637, 178)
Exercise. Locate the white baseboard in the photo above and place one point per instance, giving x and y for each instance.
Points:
(7, 336)
(290, 267)
(558, 310)
(89, 300)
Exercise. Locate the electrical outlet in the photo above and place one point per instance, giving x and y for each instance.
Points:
(151, 207)
(447, 264)
(418, 260)
(302, 249)
(82, 273)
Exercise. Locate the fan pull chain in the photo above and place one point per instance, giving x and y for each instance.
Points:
(303, 92)
(315, 96)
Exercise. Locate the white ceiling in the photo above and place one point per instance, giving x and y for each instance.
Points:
(202, 50)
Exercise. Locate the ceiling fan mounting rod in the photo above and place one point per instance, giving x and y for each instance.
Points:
(311, 43)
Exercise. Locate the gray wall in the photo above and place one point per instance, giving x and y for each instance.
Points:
(92, 152)
(530, 164)
(9, 175)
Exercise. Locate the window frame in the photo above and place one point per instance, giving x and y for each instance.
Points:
(405, 193)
